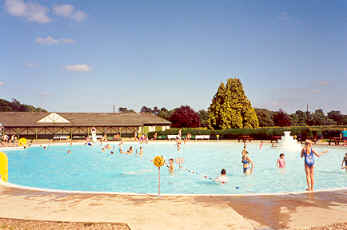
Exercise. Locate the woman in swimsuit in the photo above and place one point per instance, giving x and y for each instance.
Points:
(344, 161)
(307, 152)
(246, 162)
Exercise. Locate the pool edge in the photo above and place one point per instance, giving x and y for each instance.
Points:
(10, 185)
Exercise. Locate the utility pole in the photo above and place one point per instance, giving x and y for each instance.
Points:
(307, 115)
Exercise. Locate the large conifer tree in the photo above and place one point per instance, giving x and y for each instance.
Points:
(230, 108)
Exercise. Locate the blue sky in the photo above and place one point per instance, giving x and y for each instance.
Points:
(86, 55)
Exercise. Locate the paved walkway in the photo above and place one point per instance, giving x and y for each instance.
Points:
(139, 212)
(179, 212)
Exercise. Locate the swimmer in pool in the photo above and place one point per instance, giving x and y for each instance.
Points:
(223, 177)
(308, 154)
(281, 163)
(140, 151)
(171, 166)
(247, 163)
(180, 161)
(344, 161)
(129, 151)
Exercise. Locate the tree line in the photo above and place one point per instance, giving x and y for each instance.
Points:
(230, 108)
(15, 106)
(185, 116)
(269, 118)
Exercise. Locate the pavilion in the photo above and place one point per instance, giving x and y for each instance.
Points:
(37, 125)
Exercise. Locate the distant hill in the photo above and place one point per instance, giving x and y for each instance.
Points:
(16, 106)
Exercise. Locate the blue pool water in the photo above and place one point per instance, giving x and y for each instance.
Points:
(88, 168)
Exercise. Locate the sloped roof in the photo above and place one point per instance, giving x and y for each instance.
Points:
(30, 119)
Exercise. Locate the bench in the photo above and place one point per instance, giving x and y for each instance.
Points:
(275, 139)
(202, 137)
(61, 137)
(335, 140)
(245, 138)
(79, 137)
(172, 137)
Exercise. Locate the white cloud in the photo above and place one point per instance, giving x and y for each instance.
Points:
(67, 40)
(2, 83)
(78, 68)
(79, 16)
(53, 41)
(68, 11)
(31, 11)
(36, 12)
(65, 10)
(47, 41)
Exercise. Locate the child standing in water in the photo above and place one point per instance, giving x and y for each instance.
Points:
(308, 153)
(171, 166)
(344, 161)
(281, 163)
(140, 151)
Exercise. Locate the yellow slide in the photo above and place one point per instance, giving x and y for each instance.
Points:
(3, 166)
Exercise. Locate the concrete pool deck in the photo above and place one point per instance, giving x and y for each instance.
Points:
(142, 212)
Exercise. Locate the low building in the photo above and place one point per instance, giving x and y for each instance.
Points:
(36, 125)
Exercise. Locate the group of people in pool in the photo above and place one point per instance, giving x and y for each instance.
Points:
(307, 153)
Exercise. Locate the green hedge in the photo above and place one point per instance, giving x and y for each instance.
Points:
(267, 133)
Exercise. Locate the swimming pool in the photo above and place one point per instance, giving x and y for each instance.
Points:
(88, 168)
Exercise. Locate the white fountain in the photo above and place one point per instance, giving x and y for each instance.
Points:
(288, 143)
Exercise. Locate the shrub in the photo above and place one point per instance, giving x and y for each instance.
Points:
(302, 132)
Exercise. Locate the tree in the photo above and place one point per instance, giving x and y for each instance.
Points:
(16, 106)
(185, 117)
(155, 110)
(281, 118)
(318, 117)
(203, 115)
(125, 110)
(145, 109)
(345, 120)
(336, 116)
(301, 118)
(265, 117)
(230, 108)
(164, 113)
